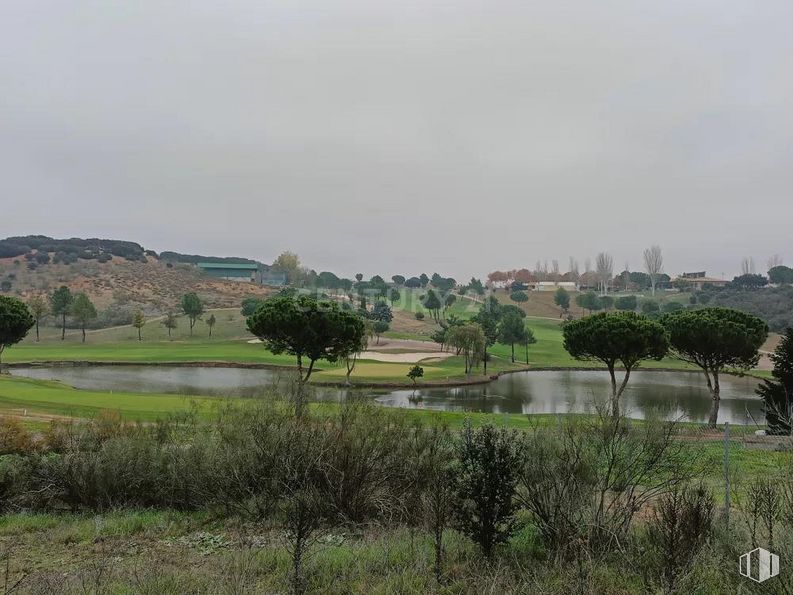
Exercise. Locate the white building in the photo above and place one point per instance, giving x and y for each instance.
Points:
(554, 285)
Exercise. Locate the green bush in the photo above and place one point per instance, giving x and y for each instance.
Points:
(486, 480)
(626, 303)
(672, 307)
(650, 306)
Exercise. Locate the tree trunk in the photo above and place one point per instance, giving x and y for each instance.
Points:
(715, 395)
(83, 329)
(139, 337)
(527, 354)
(615, 405)
(350, 363)
(37, 330)
(298, 584)
(624, 383)
(439, 554)
(513, 353)
(300, 396)
(63, 327)
(299, 399)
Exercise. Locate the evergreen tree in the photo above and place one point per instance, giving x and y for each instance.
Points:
(60, 302)
(15, 322)
(777, 394)
(83, 311)
(138, 320)
(169, 322)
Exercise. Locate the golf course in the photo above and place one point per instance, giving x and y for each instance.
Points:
(232, 345)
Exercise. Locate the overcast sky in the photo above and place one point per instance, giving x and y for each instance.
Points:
(401, 137)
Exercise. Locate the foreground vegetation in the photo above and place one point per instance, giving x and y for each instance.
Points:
(247, 498)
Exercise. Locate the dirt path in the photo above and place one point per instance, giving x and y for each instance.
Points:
(24, 415)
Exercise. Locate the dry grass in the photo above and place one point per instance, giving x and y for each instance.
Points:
(152, 285)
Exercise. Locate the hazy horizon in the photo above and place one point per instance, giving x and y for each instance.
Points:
(404, 138)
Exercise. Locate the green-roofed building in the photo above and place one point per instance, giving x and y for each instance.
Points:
(231, 272)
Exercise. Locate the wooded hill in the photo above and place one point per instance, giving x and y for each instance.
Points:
(118, 276)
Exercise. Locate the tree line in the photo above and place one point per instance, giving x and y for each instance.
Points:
(65, 306)
(713, 339)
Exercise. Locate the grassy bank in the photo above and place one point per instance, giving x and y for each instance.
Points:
(175, 553)
(38, 401)
(230, 344)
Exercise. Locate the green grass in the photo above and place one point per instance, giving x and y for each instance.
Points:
(147, 351)
(228, 344)
(230, 336)
(549, 350)
(230, 325)
(55, 398)
(77, 528)
(49, 398)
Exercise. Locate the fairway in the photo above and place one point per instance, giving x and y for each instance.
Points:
(378, 370)
(21, 395)
(230, 344)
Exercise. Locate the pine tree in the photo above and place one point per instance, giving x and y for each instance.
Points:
(777, 394)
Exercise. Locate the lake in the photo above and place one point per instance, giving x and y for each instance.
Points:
(673, 395)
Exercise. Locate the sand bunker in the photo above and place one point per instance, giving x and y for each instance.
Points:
(404, 358)
(412, 357)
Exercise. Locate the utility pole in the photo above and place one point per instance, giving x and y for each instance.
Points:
(727, 474)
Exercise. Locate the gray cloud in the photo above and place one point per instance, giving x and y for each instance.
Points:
(403, 137)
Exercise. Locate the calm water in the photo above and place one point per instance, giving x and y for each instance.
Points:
(674, 395)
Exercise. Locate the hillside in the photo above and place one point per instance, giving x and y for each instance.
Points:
(137, 278)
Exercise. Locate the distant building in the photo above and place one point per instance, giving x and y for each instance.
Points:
(231, 272)
(554, 285)
(698, 281)
(588, 280)
(273, 279)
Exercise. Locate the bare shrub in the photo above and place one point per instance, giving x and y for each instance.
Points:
(763, 504)
(369, 469)
(250, 445)
(585, 485)
(14, 437)
(304, 505)
(681, 524)
(557, 484)
(438, 495)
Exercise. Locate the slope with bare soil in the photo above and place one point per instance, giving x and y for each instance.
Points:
(153, 284)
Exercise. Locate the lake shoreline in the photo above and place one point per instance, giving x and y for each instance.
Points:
(448, 383)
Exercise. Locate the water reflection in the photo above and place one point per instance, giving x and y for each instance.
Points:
(673, 395)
